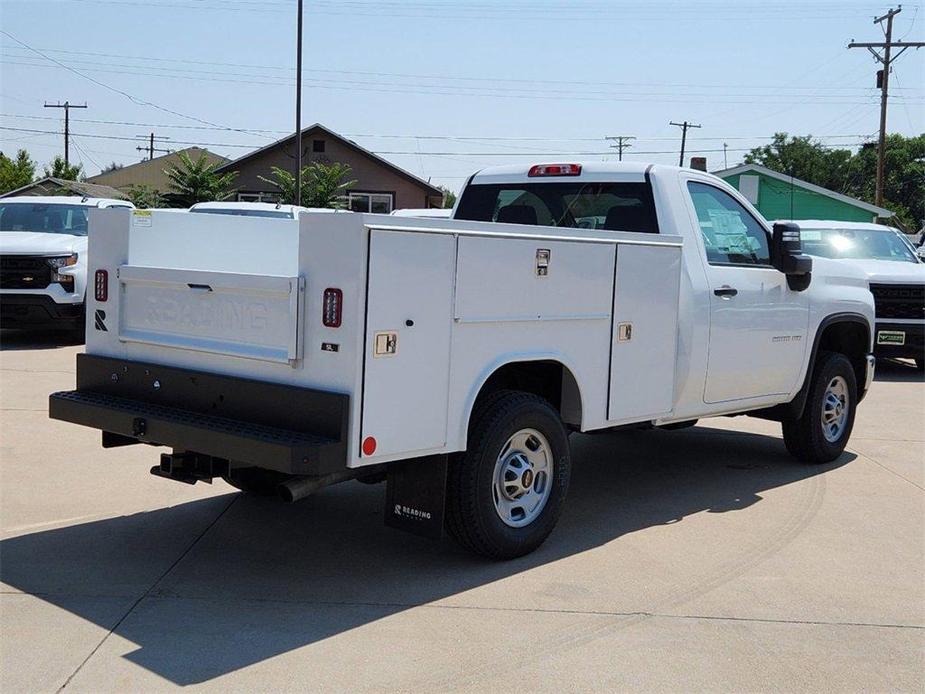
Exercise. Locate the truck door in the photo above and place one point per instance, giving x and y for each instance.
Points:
(758, 326)
(408, 322)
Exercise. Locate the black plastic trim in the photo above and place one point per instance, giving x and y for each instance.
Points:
(279, 427)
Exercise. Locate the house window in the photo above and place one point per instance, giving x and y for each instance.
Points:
(318, 146)
(258, 197)
(380, 203)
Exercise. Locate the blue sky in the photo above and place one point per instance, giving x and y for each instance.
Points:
(443, 88)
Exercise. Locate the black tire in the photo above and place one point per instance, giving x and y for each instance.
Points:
(805, 437)
(256, 481)
(472, 518)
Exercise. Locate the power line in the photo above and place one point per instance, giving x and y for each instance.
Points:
(415, 136)
(566, 153)
(133, 99)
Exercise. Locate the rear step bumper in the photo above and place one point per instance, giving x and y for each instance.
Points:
(300, 431)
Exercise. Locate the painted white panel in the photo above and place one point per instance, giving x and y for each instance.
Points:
(646, 307)
(498, 280)
(749, 186)
(251, 316)
(405, 394)
(757, 337)
(219, 242)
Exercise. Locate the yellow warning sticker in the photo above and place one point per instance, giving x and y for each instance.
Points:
(141, 218)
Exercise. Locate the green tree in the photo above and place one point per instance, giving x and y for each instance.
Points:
(855, 174)
(197, 181)
(145, 196)
(323, 185)
(804, 158)
(61, 169)
(16, 173)
(449, 197)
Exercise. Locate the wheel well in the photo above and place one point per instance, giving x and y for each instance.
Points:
(550, 380)
(850, 338)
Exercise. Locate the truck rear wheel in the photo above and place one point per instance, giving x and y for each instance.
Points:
(505, 493)
(821, 433)
(256, 481)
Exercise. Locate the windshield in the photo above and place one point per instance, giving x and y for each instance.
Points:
(279, 214)
(612, 206)
(44, 217)
(857, 244)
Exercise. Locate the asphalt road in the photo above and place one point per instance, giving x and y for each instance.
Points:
(703, 559)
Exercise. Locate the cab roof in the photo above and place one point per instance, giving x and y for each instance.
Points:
(597, 171)
(66, 200)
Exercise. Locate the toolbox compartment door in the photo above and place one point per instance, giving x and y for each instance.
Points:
(644, 342)
(236, 314)
(408, 325)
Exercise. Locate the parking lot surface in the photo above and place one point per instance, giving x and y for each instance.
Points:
(702, 559)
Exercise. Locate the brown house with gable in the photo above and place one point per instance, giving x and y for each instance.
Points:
(380, 185)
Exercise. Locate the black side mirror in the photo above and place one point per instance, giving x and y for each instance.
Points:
(787, 256)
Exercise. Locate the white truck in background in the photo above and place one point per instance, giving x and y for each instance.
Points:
(896, 275)
(453, 357)
(43, 259)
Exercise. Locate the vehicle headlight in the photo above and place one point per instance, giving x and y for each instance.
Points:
(66, 281)
(63, 261)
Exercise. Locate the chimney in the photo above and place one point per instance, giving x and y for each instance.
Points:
(699, 163)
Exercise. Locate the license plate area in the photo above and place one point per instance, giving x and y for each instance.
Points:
(891, 337)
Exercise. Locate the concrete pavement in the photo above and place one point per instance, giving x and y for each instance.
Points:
(703, 559)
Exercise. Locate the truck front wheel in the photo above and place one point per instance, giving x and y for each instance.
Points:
(821, 433)
(505, 493)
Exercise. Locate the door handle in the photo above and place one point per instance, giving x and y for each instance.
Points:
(726, 292)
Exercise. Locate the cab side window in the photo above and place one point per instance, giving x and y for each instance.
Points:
(730, 234)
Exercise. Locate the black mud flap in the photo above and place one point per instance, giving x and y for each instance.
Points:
(415, 496)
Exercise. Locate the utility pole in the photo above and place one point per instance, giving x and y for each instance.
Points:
(298, 108)
(725, 161)
(684, 128)
(884, 83)
(151, 149)
(67, 106)
(621, 142)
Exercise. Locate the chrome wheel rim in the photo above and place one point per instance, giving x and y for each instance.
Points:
(522, 480)
(835, 409)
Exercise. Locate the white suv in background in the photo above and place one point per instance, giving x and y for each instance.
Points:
(43, 260)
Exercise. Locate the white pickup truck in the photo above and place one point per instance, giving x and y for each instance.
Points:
(453, 357)
(43, 259)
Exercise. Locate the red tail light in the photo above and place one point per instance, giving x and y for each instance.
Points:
(332, 308)
(555, 170)
(101, 285)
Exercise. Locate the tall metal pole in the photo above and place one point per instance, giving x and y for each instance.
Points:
(884, 95)
(298, 110)
(67, 106)
(886, 60)
(684, 127)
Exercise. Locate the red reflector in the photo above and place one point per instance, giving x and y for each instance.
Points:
(332, 305)
(555, 170)
(101, 285)
(369, 445)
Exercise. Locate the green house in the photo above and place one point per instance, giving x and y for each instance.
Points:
(779, 196)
